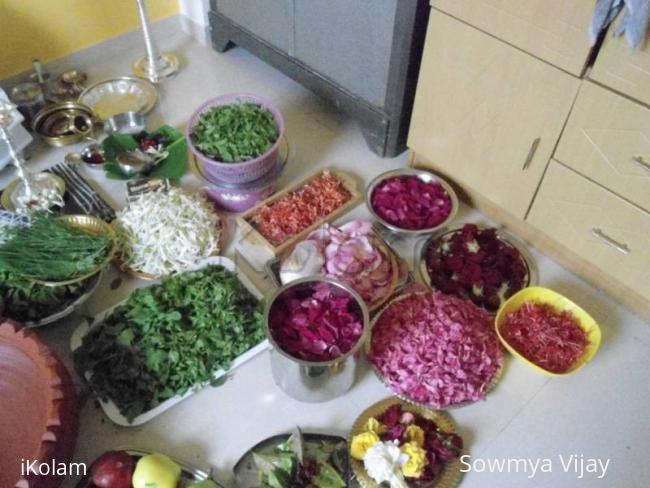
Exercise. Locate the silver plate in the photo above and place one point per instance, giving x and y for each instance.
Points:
(247, 474)
(9, 198)
(427, 177)
(118, 95)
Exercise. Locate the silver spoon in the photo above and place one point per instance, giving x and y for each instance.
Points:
(135, 162)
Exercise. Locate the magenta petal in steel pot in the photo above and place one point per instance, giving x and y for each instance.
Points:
(244, 171)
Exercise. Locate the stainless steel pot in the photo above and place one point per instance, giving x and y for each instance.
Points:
(308, 381)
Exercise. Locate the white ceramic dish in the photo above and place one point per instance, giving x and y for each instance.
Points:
(111, 410)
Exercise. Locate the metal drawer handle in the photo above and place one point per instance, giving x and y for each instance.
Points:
(641, 162)
(531, 153)
(621, 247)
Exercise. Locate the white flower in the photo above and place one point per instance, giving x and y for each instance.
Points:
(383, 463)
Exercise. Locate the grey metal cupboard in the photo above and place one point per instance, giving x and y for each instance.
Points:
(362, 55)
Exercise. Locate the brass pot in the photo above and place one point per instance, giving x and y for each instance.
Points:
(63, 124)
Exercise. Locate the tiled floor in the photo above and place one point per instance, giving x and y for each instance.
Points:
(601, 411)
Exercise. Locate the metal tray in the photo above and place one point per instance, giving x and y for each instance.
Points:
(247, 474)
(111, 410)
(189, 474)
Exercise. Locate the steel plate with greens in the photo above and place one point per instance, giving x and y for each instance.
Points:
(237, 132)
(26, 301)
(295, 461)
(169, 338)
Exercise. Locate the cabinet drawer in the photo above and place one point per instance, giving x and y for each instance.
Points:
(487, 114)
(596, 225)
(622, 69)
(554, 30)
(607, 138)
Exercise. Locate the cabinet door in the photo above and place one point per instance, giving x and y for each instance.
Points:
(270, 20)
(554, 30)
(348, 42)
(596, 225)
(622, 69)
(486, 113)
(607, 139)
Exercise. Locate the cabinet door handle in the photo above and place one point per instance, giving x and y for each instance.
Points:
(620, 247)
(531, 153)
(639, 161)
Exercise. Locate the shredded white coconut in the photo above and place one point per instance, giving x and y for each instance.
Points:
(165, 232)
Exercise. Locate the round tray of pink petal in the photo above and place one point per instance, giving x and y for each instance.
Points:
(368, 346)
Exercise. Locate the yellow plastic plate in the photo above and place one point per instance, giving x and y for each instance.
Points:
(559, 302)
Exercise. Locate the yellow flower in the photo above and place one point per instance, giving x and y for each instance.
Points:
(373, 425)
(361, 443)
(417, 460)
(415, 434)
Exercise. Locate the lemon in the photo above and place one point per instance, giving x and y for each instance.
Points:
(156, 471)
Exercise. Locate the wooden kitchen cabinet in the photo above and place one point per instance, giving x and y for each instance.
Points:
(623, 69)
(607, 139)
(596, 225)
(553, 30)
(487, 114)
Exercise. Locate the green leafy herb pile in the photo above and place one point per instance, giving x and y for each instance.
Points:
(51, 249)
(26, 301)
(234, 133)
(168, 338)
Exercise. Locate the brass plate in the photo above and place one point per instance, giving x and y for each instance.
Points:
(92, 225)
(450, 476)
(48, 116)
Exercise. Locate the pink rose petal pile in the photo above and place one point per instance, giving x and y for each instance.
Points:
(436, 349)
(410, 203)
(352, 254)
(316, 322)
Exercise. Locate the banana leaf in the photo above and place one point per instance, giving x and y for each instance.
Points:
(173, 167)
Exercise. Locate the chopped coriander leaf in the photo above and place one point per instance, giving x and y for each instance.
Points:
(234, 133)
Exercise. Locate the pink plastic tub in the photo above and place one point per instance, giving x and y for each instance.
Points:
(245, 171)
(239, 197)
